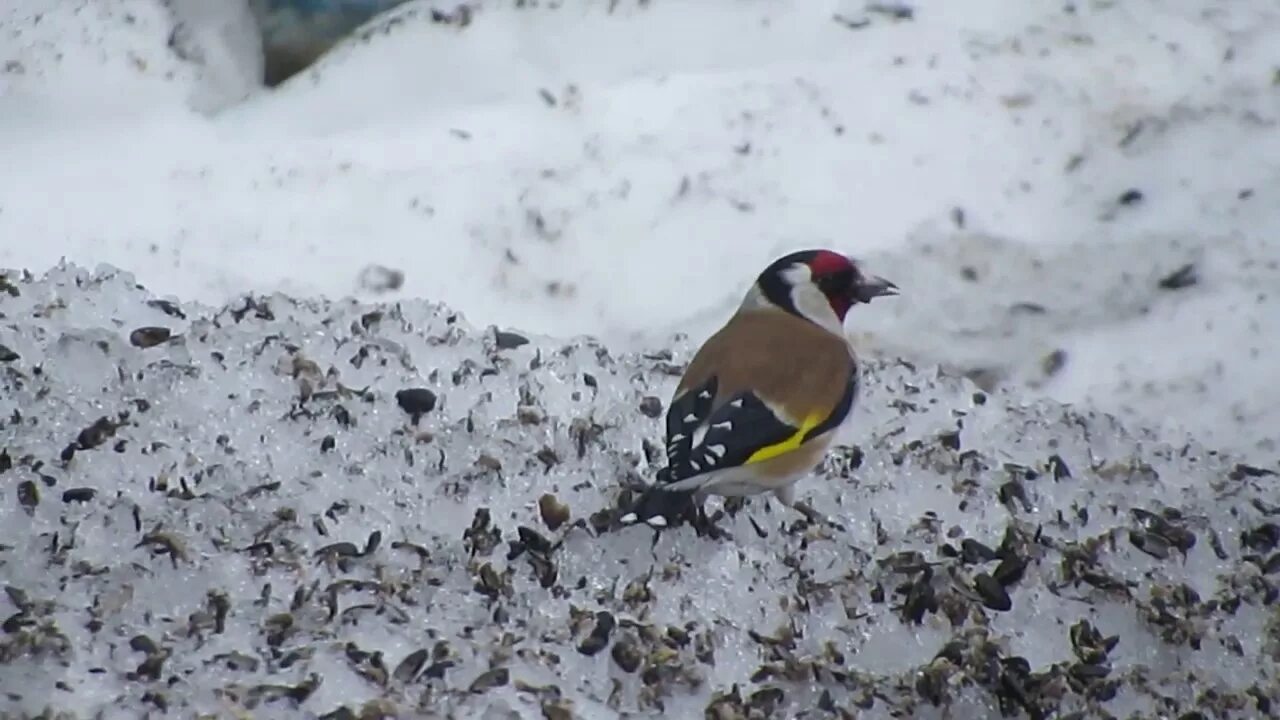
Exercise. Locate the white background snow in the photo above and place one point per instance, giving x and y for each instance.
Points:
(679, 147)
(624, 169)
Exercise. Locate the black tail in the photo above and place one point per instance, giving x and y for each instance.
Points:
(661, 507)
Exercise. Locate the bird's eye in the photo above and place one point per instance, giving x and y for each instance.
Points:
(835, 283)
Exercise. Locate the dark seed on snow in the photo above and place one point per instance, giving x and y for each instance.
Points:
(99, 432)
(376, 278)
(1181, 538)
(1052, 363)
(1088, 672)
(626, 655)
(436, 670)
(7, 355)
(506, 340)
(1150, 543)
(28, 495)
(168, 308)
(1009, 571)
(921, 599)
(1242, 471)
(18, 597)
(533, 539)
(1272, 564)
(416, 401)
(16, 622)
(410, 666)
(1183, 277)
(973, 551)
(81, 494)
(339, 549)
(1132, 196)
(992, 592)
(1058, 467)
(950, 440)
(145, 337)
(143, 644)
(1262, 538)
(497, 677)
(599, 637)
(766, 699)
(651, 406)
(554, 513)
(1013, 490)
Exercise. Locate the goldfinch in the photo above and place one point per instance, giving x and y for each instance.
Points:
(761, 400)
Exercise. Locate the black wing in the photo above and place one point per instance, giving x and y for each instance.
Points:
(741, 431)
(686, 414)
(735, 432)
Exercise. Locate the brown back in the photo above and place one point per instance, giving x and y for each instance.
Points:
(792, 364)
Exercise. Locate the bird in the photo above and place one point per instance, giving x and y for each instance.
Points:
(758, 405)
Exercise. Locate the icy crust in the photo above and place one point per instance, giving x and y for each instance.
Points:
(243, 518)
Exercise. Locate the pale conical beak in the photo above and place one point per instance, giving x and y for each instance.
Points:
(873, 287)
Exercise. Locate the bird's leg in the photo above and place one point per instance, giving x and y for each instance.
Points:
(787, 496)
(703, 524)
(814, 516)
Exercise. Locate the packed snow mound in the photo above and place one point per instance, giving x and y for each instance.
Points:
(294, 508)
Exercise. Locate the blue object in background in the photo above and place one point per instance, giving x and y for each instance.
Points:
(296, 32)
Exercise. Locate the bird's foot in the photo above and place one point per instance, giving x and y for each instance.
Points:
(814, 517)
(706, 526)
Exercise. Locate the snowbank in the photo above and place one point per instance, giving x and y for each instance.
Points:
(1027, 174)
(233, 509)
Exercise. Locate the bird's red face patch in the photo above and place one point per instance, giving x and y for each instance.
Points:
(834, 274)
(826, 262)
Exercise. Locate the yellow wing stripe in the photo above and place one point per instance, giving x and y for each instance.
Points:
(793, 442)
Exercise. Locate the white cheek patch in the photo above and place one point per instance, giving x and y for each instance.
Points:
(809, 300)
(811, 303)
(798, 275)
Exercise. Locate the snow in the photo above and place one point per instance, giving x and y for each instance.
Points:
(226, 441)
(1027, 175)
(481, 159)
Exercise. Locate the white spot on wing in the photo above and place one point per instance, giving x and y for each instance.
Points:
(690, 418)
(675, 438)
(694, 464)
(705, 395)
(736, 403)
(657, 521)
(726, 425)
(698, 434)
(717, 450)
